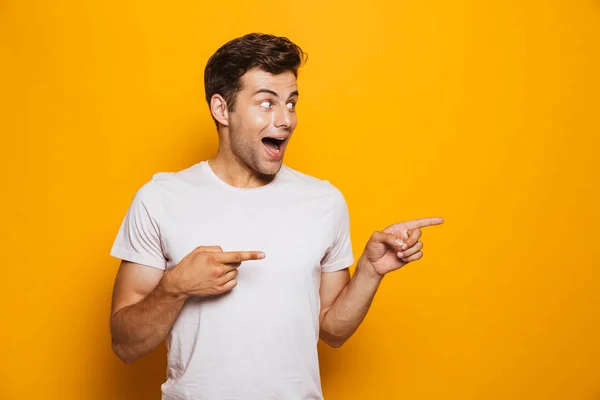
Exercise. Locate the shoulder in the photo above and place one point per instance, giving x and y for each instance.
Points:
(319, 187)
(306, 181)
(163, 182)
(153, 187)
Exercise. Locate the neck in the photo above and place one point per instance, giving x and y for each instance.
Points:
(235, 172)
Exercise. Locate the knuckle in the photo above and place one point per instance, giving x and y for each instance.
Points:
(196, 257)
(225, 277)
(209, 258)
(228, 277)
(210, 247)
(231, 275)
(226, 286)
(218, 288)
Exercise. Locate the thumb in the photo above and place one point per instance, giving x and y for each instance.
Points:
(388, 238)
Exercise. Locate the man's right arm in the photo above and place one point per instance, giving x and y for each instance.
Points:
(146, 300)
(143, 310)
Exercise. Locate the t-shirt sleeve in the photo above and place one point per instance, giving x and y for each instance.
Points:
(339, 255)
(139, 237)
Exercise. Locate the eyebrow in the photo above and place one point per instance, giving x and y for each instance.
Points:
(294, 93)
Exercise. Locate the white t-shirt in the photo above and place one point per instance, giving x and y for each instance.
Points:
(258, 341)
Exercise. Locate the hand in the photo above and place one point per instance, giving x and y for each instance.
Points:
(207, 271)
(396, 245)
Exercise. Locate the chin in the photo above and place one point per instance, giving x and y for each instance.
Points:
(266, 167)
(270, 169)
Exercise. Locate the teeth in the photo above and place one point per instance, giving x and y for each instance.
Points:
(276, 143)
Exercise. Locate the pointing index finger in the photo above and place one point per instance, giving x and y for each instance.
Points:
(234, 257)
(423, 222)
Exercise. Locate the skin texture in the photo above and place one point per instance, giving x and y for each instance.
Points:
(265, 107)
(345, 307)
(146, 301)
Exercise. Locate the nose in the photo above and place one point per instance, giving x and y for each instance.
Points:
(282, 118)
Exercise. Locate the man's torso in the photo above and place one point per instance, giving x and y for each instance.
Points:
(259, 340)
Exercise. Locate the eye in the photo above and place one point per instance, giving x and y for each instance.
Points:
(291, 105)
(265, 104)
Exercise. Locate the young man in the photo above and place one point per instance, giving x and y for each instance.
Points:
(246, 331)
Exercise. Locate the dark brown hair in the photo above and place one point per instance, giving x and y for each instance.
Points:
(226, 67)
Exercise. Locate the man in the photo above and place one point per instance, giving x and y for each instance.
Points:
(246, 331)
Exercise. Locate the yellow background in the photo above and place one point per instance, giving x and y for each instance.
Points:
(484, 113)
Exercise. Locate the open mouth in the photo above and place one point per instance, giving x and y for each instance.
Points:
(274, 146)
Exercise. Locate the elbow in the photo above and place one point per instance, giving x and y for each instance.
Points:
(335, 341)
(120, 350)
(122, 354)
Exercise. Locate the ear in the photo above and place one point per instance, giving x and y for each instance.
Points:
(218, 109)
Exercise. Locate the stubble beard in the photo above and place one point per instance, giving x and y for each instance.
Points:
(251, 154)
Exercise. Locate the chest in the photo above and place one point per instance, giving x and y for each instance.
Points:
(294, 232)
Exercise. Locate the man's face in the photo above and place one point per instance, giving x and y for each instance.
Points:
(263, 119)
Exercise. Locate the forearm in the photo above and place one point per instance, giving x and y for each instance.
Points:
(351, 306)
(139, 328)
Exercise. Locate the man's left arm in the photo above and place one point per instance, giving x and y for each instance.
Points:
(345, 301)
